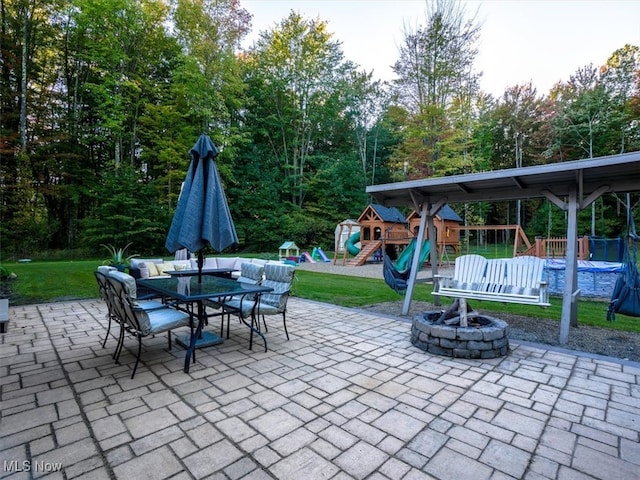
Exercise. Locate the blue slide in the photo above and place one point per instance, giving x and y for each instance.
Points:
(322, 255)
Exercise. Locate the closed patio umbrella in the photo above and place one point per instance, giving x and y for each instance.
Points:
(202, 218)
(202, 215)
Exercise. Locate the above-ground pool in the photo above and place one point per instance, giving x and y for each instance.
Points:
(595, 278)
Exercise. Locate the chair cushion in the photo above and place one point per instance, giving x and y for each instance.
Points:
(163, 319)
(266, 309)
(149, 305)
(279, 278)
(236, 304)
(213, 303)
(279, 273)
(128, 281)
(105, 269)
(251, 273)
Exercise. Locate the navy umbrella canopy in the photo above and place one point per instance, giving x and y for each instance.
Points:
(202, 216)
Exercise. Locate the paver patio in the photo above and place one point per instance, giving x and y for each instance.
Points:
(347, 397)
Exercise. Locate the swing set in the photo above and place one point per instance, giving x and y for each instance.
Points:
(521, 243)
(549, 247)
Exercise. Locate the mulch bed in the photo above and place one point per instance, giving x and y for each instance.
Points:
(599, 341)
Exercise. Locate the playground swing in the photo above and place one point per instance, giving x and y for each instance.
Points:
(625, 298)
(396, 275)
(500, 249)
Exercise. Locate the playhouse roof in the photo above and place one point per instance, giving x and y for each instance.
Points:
(287, 245)
(384, 214)
(445, 213)
(448, 213)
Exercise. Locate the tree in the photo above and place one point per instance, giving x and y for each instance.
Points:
(436, 82)
(126, 211)
(365, 103)
(297, 69)
(28, 41)
(620, 77)
(208, 80)
(515, 127)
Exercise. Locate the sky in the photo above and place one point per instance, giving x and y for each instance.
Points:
(521, 41)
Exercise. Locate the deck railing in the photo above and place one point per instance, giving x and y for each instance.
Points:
(556, 247)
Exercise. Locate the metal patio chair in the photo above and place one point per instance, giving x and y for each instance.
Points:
(242, 306)
(141, 322)
(280, 279)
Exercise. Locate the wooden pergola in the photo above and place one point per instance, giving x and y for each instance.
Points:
(572, 186)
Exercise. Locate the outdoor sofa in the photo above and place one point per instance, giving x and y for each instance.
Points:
(157, 267)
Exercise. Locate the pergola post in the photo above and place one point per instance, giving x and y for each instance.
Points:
(571, 292)
(434, 255)
(416, 258)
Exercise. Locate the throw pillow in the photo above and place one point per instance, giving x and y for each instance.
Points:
(180, 266)
(153, 269)
(144, 271)
(162, 268)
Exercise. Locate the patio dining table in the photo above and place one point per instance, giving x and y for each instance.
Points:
(188, 290)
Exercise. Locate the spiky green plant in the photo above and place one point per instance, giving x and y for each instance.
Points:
(119, 256)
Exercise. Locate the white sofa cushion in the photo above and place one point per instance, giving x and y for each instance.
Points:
(160, 267)
(140, 264)
(259, 261)
(209, 263)
(157, 267)
(228, 262)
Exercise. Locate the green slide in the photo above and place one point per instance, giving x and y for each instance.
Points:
(403, 263)
(351, 244)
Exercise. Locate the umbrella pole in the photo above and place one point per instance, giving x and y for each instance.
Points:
(200, 305)
(200, 265)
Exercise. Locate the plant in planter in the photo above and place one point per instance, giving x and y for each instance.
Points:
(119, 257)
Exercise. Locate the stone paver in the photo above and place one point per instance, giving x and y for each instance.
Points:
(348, 397)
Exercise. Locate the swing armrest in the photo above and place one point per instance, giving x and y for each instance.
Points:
(442, 281)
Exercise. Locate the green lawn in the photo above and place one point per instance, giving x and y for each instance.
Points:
(40, 282)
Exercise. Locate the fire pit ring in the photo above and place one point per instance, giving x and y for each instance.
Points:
(489, 339)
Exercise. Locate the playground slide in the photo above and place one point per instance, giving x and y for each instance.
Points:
(307, 258)
(322, 255)
(403, 261)
(351, 244)
(424, 253)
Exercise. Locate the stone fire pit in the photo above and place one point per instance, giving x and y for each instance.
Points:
(484, 337)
